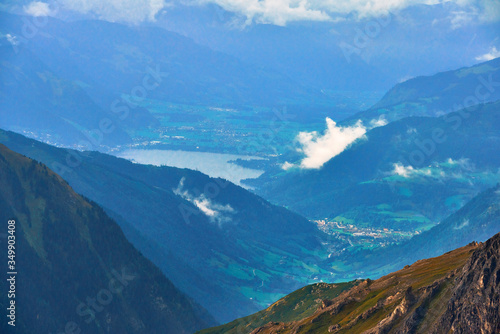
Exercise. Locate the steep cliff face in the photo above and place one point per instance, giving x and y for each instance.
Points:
(457, 292)
(474, 306)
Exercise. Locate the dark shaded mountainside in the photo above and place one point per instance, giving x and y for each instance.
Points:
(75, 267)
(229, 249)
(458, 292)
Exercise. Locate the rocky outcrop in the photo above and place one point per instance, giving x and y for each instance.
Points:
(474, 306)
(458, 292)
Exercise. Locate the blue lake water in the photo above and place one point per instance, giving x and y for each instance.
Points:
(212, 164)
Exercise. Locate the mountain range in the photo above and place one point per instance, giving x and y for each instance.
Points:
(436, 134)
(183, 220)
(350, 52)
(412, 299)
(121, 78)
(227, 248)
(132, 191)
(418, 176)
(366, 53)
(438, 94)
(407, 175)
(66, 245)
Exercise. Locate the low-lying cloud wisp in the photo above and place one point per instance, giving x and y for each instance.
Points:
(492, 54)
(217, 213)
(448, 169)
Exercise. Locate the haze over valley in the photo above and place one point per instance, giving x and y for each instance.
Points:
(250, 167)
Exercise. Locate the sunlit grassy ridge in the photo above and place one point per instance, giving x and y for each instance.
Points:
(297, 305)
(359, 306)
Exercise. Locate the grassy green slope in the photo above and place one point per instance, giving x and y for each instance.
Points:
(295, 306)
(410, 300)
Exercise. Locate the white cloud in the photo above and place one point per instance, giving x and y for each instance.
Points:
(217, 213)
(282, 12)
(469, 11)
(319, 149)
(448, 169)
(409, 171)
(278, 12)
(463, 163)
(131, 11)
(492, 54)
(12, 39)
(375, 123)
(403, 171)
(38, 8)
(287, 165)
(462, 18)
(411, 131)
(489, 10)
